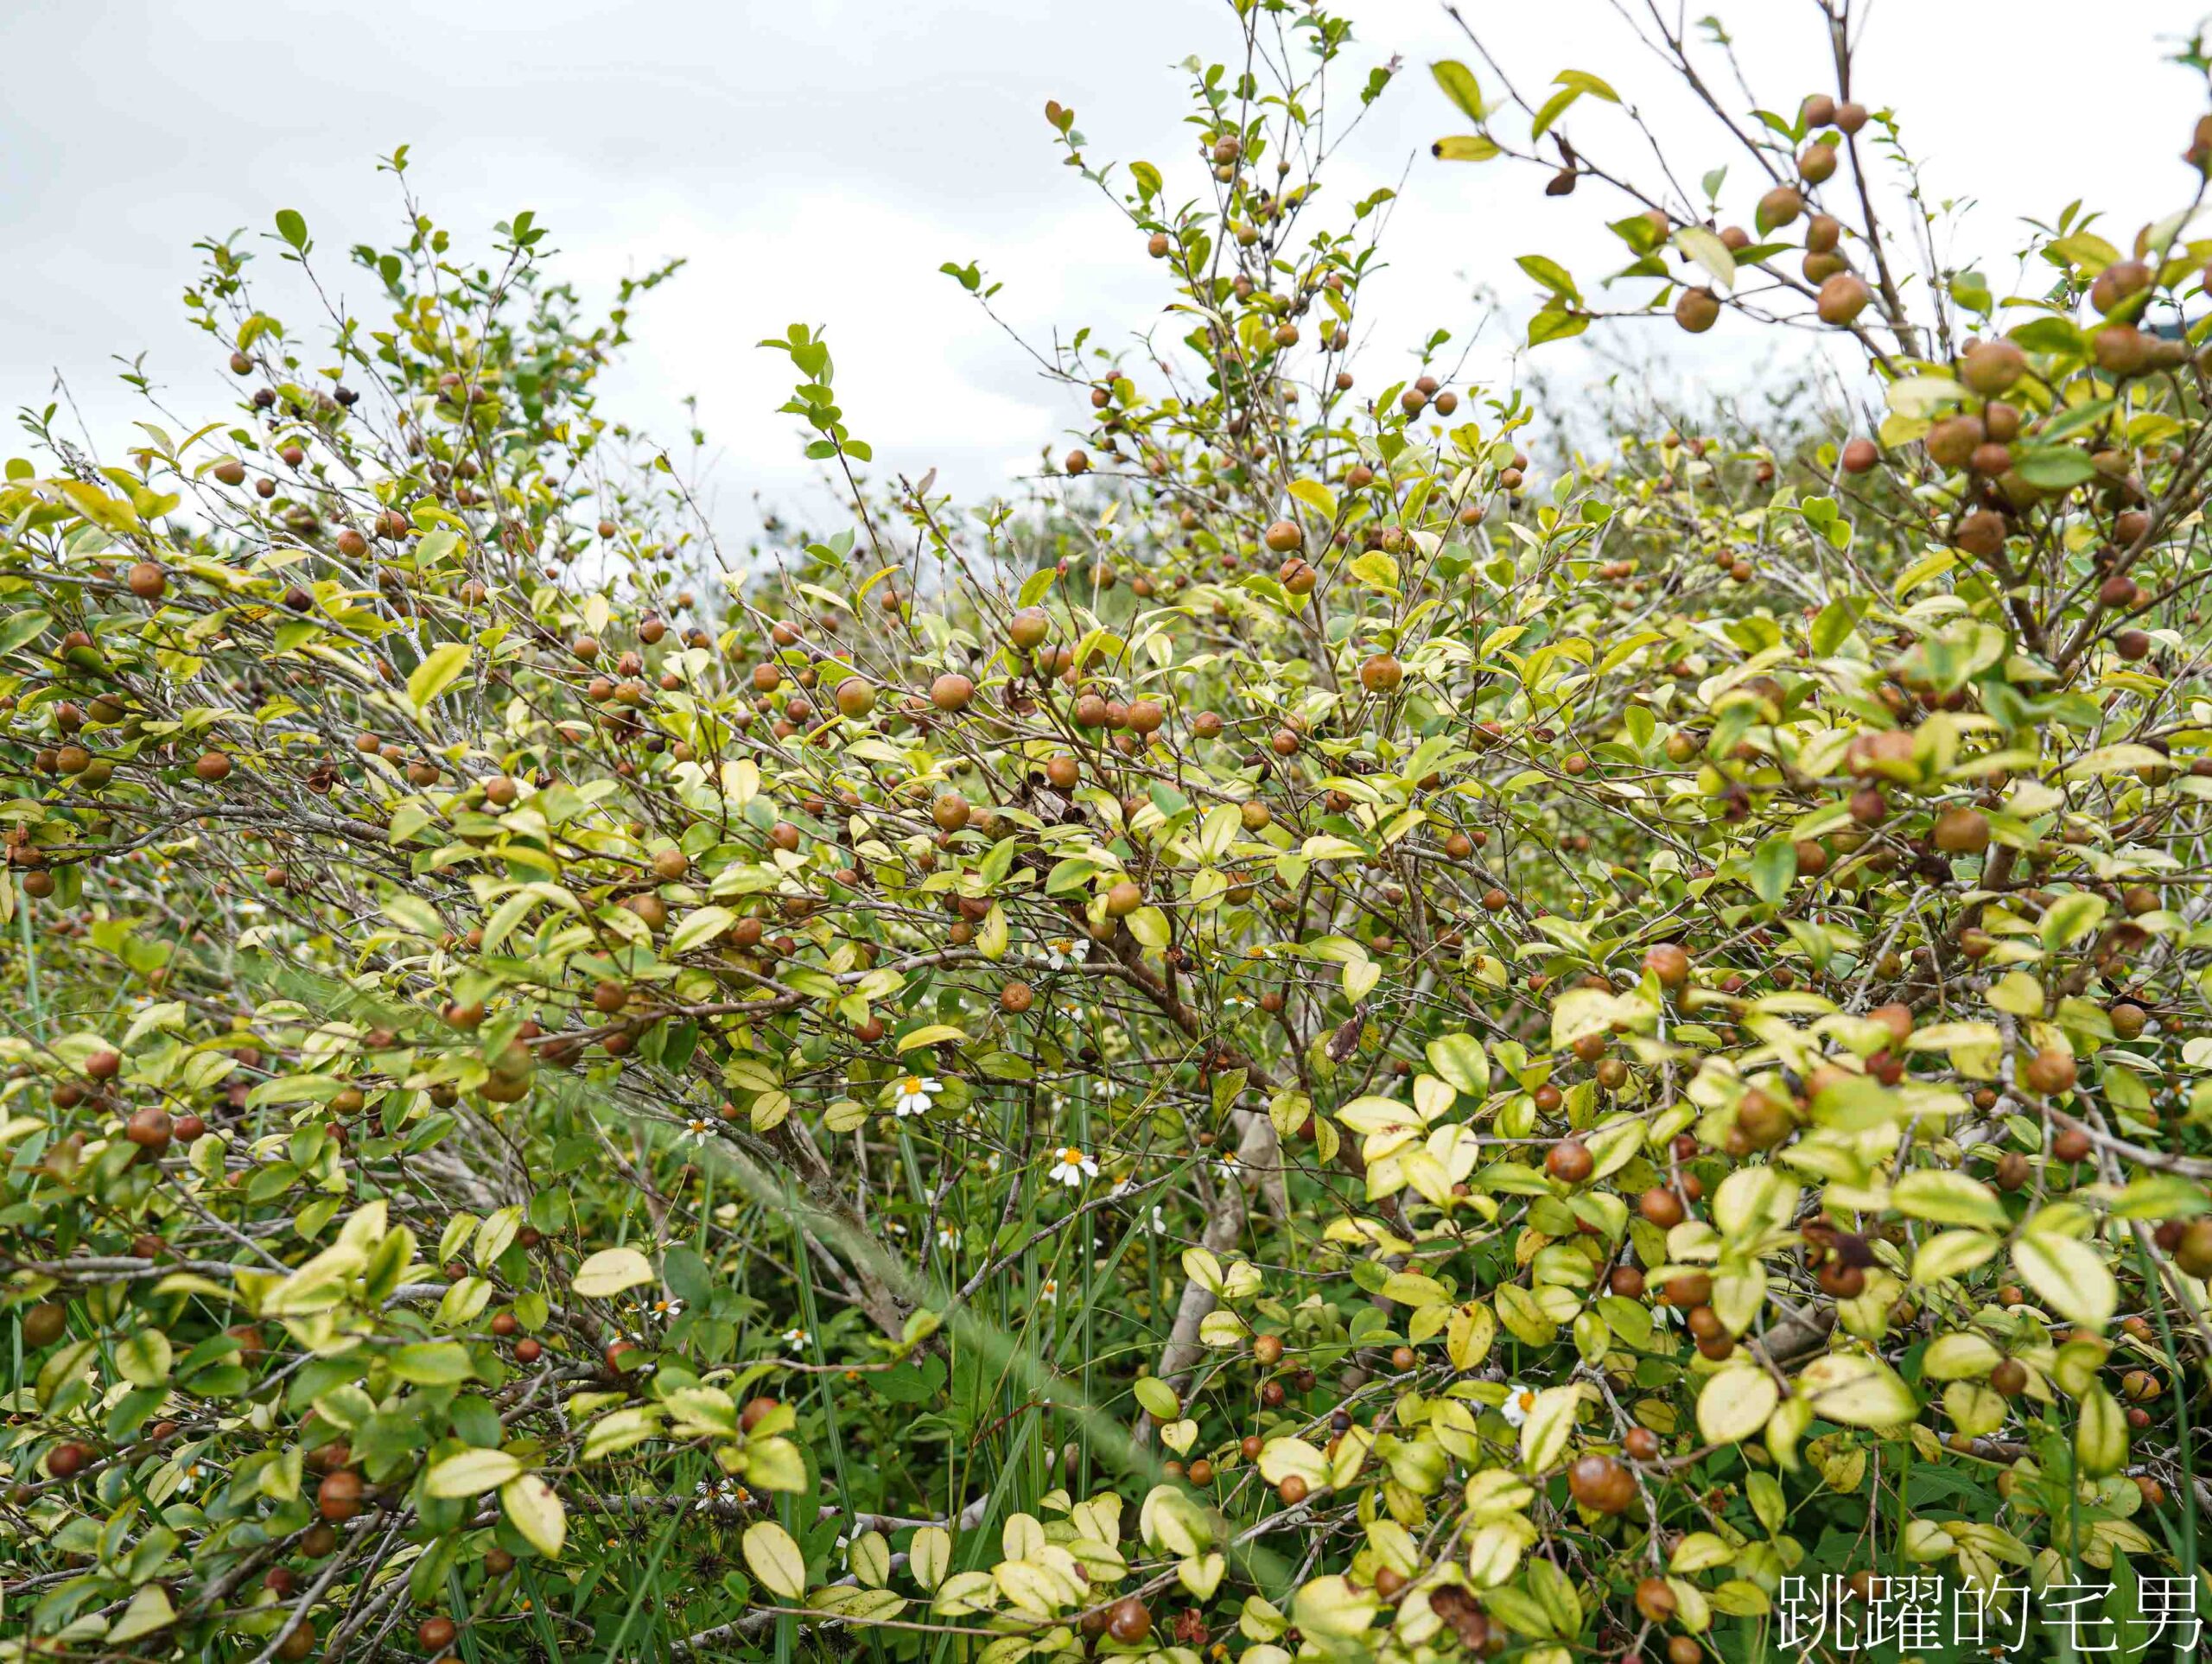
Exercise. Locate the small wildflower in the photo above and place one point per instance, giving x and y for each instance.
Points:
(916, 1094)
(721, 1493)
(667, 1309)
(1519, 1400)
(1063, 951)
(948, 1237)
(699, 1129)
(1071, 1166)
(797, 1339)
(1049, 1291)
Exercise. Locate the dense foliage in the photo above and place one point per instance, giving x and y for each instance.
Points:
(1326, 1038)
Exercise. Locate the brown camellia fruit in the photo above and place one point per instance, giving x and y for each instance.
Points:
(43, 1324)
(2194, 1253)
(1860, 454)
(1569, 1161)
(1380, 674)
(1779, 206)
(1697, 310)
(1284, 537)
(2072, 1144)
(1267, 1350)
(2119, 283)
(1029, 627)
(951, 692)
(1961, 831)
(435, 1635)
(1124, 898)
(1601, 1484)
(1661, 1207)
(1017, 997)
(2049, 1071)
(338, 1498)
(1131, 1620)
(1666, 962)
(211, 767)
(1991, 367)
(1843, 296)
(150, 1128)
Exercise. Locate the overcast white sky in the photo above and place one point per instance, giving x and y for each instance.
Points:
(818, 160)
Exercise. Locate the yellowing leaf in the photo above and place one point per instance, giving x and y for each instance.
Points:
(1549, 1425)
(468, 1473)
(610, 1271)
(2068, 1276)
(1735, 1404)
(1857, 1390)
(775, 1559)
(533, 1510)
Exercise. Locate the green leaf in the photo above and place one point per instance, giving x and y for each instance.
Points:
(431, 1363)
(1461, 86)
(1948, 1199)
(1465, 147)
(698, 929)
(143, 1357)
(1773, 865)
(1552, 275)
(1554, 107)
(1556, 324)
(2053, 467)
(1583, 81)
(440, 668)
(292, 228)
(470, 1473)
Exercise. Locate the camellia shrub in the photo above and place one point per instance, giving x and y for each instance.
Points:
(1330, 1036)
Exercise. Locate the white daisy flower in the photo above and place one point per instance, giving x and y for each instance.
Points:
(916, 1094)
(1229, 1170)
(1159, 1222)
(698, 1128)
(1071, 1166)
(667, 1309)
(1519, 1400)
(1662, 1315)
(948, 1237)
(1063, 951)
(796, 1338)
(192, 1475)
(721, 1493)
(1049, 1291)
